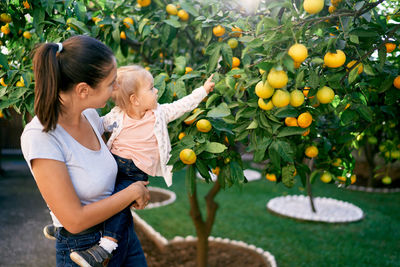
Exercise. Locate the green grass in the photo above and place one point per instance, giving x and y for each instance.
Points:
(374, 241)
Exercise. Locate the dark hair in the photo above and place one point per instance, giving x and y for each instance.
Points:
(82, 59)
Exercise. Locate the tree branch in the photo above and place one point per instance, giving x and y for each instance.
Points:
(212, 206)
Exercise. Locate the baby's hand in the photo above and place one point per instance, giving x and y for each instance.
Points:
(209, 85)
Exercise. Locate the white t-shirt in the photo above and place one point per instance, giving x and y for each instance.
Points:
(92, 172)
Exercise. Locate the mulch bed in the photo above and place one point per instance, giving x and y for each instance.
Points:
(183, 254)
(158, 197)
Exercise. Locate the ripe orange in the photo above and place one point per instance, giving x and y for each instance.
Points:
(216, 170)
(237, 76)
(281, 98)
(261, 71)
(335, 60)
(187, 156)
(296, 64)
(277, 79)
(347, 106)
(171, 9)
(203, 126)
(291, 121)
(2, 82)
(337, 162)
(128, 22)
(390, 47)
(27, 35)
(359, 66)
(181, 135)
(122, 35)
(5, 29)
(311, 151)
(188, 69)
(183, 15)
(26, 4)
(1, 114)
(271, 177)
(296, 98)
(144, 3)
(313, 6)
(235, 62)
(264, 90)
(331, 9)
(6, 18)
(342, 179)
(353, 178)
(233, 43)
(307, 132)
(298, 52)
(335, 2)
(265, 106)
(218, 31)
(396, 82)
(306, 90)
(304, 119)
(236, 32)
(326, 177)
(325, 95)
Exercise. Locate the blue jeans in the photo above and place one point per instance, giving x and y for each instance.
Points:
(129, 252)
(128, 173)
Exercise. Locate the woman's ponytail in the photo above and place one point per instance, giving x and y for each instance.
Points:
(47, 85)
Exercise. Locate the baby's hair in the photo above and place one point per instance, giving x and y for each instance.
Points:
(130, 79)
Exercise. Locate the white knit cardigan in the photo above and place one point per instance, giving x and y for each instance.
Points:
(164, 114)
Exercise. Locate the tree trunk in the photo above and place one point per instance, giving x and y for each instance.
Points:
(203, 228)
(369, 155)
(308, 184)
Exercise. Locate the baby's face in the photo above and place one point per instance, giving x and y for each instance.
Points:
(148, 96)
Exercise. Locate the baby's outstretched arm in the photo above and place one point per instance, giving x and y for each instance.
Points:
(209, 85)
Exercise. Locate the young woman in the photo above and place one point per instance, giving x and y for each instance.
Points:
(73, 168)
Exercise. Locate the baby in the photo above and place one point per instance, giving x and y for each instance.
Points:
(140, 144)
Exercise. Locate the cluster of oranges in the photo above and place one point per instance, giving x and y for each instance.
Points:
(173, 10)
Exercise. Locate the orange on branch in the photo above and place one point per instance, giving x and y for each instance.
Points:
(187, 156)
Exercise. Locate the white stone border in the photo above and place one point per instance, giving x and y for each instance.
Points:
(162, 241)
(328, 210)
(371, 189)
(171, 199)
(250, 174)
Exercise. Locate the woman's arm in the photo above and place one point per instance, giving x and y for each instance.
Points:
(57, 190)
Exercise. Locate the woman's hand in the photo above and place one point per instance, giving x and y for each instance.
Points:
(143, 194)
(209, 85)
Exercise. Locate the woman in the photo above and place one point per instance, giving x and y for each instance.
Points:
(73, 169)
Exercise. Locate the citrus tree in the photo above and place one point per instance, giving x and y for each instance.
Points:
(292, 79)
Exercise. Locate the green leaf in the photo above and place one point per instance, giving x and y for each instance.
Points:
(214, 147)
(365, 112)
(284, 150)
(236, 172)
(274, 156)
(222, 110)
(348, 116)
(203, 170)
(299, 79)
(369, 70)
(353, 75)
(314, 79)
(214, 57)
(190, 8)
(288, 131)
(287, 111)
(116, 35)
(253, 125)
(354, 39)
(190, 181)
(38, 19)
(227, 53)
(180, 89)
(211, 99)
(4, 61)
(173, 22)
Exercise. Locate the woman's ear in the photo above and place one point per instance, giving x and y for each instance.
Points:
(82, 89)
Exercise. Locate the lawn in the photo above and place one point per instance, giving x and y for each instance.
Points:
(374, 241)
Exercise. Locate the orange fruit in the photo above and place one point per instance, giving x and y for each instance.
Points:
(311, 151)
(188, 69)
(128, 22)
(2, 82)
(203, 126)
(187, 156)
(5, 29)
(335, 60)
(313, 6)
(237, 76)
(183, 15)
(342, 179)
(236, 32)
(331, 9)
(27, 35)
(181, 135)
(304, 119)
(277, 78)
(396, 82)
(337, 162)
(347, 106)
(390, 47)
(271, 177)
(335, 2)
(235, 62)
(353, 178)
(326, 177)
(233, 43)
(26, 4)
(122, 35)
(296, 64)
(298, 52)
(325, 95)
(261, 71)
(281, 98)
(144, 3)
(264, 90)
(359, 66)
(6, 18)
(291, 121)
(265, 106)
(307, 132)
(306, 90)
(171, 9)
(296, 98)
(216, 170)
(218, 31)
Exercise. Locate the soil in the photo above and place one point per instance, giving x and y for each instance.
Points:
(183, 254)
(158, 197)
